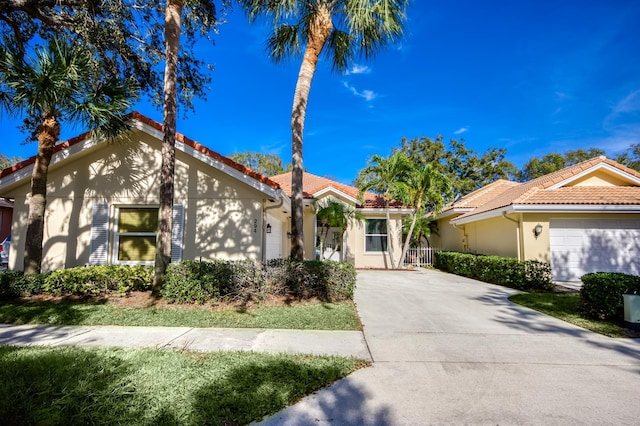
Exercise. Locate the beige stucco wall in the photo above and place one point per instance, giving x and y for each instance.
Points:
(356, 244)
(449, 237)
(223, 216)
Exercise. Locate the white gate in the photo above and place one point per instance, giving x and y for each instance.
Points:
(420, 256)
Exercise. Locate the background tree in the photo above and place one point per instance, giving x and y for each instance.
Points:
(382, 176)
(552, 162)
(466, 169)
(125, 35)
(7, 162)
(423, 187)
(63, 82)
(265, 164)
(631, 157)
(346, 28)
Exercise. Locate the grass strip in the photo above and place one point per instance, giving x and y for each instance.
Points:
(305, 316)
(74, 386)
(566, 306)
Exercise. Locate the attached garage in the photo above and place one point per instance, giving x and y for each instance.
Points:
(580, 246)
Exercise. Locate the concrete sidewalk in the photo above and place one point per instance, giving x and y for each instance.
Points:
(345, 343)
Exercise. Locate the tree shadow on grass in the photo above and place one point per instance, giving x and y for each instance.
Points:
(70, 386)
(58, 312)
(271, 387)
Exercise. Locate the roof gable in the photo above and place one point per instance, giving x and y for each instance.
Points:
(73, 146)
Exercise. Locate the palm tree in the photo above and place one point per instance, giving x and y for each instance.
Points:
(61, 82)
(422, 187)
(347, 28)
(205, 10)
(382, 175)
(335, 214)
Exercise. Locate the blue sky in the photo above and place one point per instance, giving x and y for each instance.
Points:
(530, 77)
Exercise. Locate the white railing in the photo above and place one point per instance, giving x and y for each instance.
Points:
(420, 256)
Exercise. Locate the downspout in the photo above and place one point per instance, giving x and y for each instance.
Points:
(264, 224)
(464, 234)
(518, 235)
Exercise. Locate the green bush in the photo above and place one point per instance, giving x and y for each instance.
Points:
(16, 284)
(506, 271)
(601, 293)
(218, 280)
(95, 280)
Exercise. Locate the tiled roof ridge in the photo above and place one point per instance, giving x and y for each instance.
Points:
(179, 137)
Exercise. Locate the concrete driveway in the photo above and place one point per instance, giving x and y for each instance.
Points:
(450, 350)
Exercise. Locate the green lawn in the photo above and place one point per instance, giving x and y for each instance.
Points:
(73, 386)
(566, 306)
(305, 316)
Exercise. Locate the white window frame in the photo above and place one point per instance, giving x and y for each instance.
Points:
(375, 235)
(116, 235)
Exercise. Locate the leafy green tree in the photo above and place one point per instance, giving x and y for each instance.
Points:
(265, 164)
(423, 187)
(334, 214)
(552, 162)
(341, 29)
(466, 169)
(62, 82)
(382, 175)
(631, 157)
(126, 35)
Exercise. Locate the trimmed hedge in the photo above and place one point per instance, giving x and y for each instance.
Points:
(507, 271)
(601, 293)
(196, 281)
(219, 280)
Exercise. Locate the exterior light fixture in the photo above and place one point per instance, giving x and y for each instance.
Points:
(268, 228)
(289, 235)
(537, 230)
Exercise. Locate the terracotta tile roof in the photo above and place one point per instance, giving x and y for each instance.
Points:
(482, 195)
(536, 191)
(312, 184)
(179, 137)
(602, 195)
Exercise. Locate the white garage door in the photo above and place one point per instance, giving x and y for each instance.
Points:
(582, 246)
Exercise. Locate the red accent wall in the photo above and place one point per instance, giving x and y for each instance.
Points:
(5, 225)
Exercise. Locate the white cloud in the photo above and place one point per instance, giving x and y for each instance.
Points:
(367, 95)
(631, 103)
(358, 69)
(461, 131)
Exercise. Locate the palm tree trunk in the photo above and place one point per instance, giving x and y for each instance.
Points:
(48, 135)
(389, 242)
(172, 30)
(406, 243)
(319, 30)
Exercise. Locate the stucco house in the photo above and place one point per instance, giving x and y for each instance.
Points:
(103, 198)
(584, 218)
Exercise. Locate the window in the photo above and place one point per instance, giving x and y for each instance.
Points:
(135, 237)
(375, 238)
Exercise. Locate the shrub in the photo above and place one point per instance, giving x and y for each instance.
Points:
(218, 280)
(16, 284)
(506, 271)
(601, 293)
(95, 280)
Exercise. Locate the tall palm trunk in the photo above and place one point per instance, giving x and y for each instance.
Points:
(409, 234)
(48, 135)
(319, 30)
(172, 28)
(389, 239)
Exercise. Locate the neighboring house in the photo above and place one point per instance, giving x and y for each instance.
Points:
(103, 199)
(365, 242)
(584, 218)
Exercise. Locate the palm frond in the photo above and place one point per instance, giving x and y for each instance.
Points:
(284, 42)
